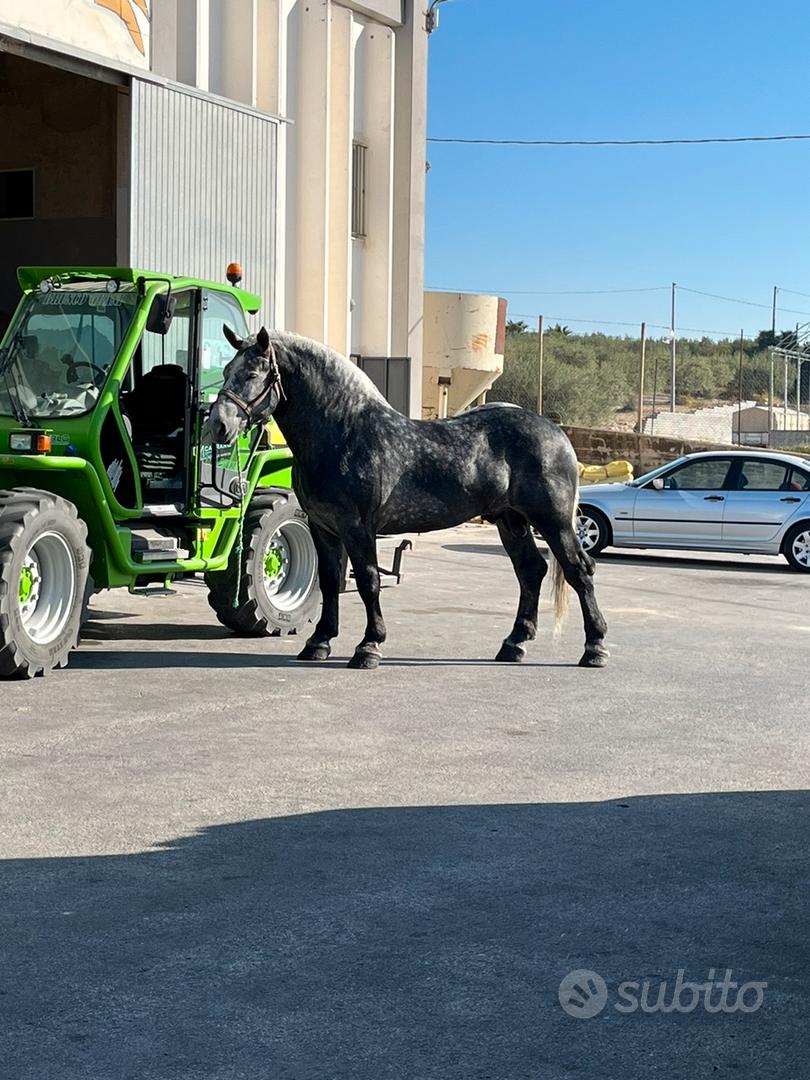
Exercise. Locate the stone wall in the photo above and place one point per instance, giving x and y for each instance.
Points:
(596, 446)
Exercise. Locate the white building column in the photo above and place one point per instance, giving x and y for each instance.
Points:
(409, 193)
(339, 210)
(232, 38)
(374, 127)
(307, 177)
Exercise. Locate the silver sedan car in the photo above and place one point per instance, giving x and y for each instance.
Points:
(752, 502)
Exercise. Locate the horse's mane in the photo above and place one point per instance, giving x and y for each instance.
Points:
(335, 370)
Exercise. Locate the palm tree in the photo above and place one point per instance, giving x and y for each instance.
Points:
(516, 326)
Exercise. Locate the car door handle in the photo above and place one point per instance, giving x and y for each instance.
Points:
(714, 498)
(790, 498)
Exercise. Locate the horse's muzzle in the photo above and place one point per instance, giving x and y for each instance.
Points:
(226, 422)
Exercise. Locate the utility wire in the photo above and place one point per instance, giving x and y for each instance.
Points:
(736, 300)
(734, 334)
(553, 292)
(621, 142)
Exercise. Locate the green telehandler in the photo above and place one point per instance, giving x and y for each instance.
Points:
(108, 477)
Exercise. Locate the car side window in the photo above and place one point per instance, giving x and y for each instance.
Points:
(799, 480)
(762, 476)
(705, 474)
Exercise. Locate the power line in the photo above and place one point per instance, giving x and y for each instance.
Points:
(621, 142)
(748, 303)
(793, 292)
(653, 326)
(552, 292)
(608, 322)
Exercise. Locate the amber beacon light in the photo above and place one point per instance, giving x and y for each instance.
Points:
(234, 273)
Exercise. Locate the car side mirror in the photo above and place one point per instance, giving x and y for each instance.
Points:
(659, 483)
(161, 314)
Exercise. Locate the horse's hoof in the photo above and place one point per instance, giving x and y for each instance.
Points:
(314, 652)
(365, 660)
(509, 653)
(594, 658)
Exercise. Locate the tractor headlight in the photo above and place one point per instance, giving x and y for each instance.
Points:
(36, 442)
(23, 444)
(112, 285)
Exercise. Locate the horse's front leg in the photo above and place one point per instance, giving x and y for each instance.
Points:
(330, 555)
(362, 549)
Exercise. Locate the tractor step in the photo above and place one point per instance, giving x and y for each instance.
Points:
(148, 547)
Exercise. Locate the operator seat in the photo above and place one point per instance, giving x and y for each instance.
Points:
(156, 408)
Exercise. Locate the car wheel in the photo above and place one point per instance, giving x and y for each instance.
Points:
(593, 530)
(796, 547)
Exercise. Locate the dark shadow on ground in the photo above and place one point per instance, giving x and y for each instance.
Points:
(421, 943)
(640, 558)
(154, 632)
(636, 558)
(100, 659)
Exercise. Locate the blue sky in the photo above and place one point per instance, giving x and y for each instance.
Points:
(731, 220)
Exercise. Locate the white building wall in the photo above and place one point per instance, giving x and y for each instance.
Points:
(338, 71)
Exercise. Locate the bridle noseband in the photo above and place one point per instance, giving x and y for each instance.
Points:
(249, 407)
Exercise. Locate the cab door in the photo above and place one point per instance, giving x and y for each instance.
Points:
(687, 510)
(220, 467)
(767, 494)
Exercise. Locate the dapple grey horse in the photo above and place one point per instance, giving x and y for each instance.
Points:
(362, 469)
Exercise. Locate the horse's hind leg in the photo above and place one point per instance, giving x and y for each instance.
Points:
(578, 568)
(530, 568)
(330, 554)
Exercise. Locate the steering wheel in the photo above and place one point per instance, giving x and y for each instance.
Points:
(99, 374)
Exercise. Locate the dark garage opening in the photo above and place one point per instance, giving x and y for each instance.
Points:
(58, 143)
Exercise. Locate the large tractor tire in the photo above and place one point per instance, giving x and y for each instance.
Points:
(44, 561)
(271, 587)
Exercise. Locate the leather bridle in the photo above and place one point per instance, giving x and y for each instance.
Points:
(249, 407)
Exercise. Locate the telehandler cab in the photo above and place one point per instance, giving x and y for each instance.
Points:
(108, 478)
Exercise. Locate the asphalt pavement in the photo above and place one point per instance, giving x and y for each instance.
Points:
(218, 863)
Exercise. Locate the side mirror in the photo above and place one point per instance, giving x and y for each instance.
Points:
(659, 483)
(161, 314)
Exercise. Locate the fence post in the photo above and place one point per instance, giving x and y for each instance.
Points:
(740, 391)
(540, 365)
(642, 360)
(770, 400)
(673, 351)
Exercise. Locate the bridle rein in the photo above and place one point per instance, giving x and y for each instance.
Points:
(249, 408)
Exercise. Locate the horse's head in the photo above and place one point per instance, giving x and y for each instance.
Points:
(251, 388)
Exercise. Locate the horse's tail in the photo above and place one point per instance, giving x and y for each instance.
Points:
(561, 591)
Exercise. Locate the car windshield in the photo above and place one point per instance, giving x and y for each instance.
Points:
(58, 351)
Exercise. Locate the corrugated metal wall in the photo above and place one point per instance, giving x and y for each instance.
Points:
(203, 189)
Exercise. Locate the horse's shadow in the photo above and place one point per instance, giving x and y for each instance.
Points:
(155, 659)
(417, 942)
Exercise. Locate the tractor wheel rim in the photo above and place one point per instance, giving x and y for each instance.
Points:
(290, 565)
(587, 531)
(801, 549)
(47, 587)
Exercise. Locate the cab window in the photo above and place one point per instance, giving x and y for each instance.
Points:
(215, 352)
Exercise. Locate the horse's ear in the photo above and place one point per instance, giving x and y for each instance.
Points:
(263, 340)
(237, 342)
